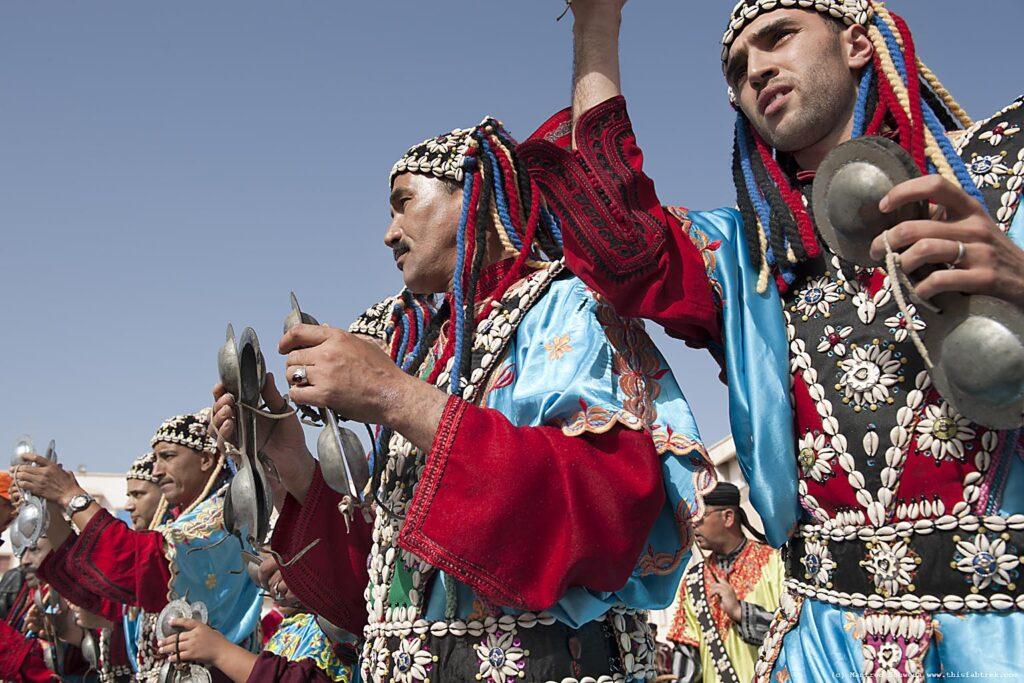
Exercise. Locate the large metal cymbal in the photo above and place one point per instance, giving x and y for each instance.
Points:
(849, 183)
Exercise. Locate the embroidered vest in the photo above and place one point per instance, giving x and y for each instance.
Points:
(401, 644)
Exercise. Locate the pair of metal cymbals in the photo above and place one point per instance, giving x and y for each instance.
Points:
(33, 518)
(975, 342)
(342, 456)
(172, 671)
(249, 501)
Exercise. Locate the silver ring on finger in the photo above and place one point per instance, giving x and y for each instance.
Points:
(299, 376)
(961, 249)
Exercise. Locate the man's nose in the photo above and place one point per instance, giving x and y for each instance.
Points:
(393, 234)
(760, 69)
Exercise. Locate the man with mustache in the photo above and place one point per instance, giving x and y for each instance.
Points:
(904, 515)
(186, 554)
(727, 600)
(536, 463)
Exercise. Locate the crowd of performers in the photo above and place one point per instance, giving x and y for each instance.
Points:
(538, 480)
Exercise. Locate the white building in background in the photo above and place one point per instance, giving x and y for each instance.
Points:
(723, 457)
(107, 488)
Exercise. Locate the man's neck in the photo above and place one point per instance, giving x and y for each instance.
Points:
(187, 502)
(731, 548)
(809, 158)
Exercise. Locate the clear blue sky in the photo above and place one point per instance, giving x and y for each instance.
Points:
(167, 167)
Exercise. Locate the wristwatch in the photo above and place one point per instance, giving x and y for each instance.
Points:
(79, 503)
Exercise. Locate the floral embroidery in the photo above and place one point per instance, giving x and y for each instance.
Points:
(818, 563)
(899, 326)
(815, 457)
(1002, 131)
(985, 169)
(412, 661)
(868, 375)
(558, 347)
(598, 420)
(943, 432)
(664, 563)
(987, 561)
(502, 657)
(211, 582)
(833, 340)
(853, 624)
(668, 441)
(892, 566)
(817, 298)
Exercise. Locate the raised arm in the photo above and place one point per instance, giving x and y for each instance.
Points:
(618, 238)
(596, 75)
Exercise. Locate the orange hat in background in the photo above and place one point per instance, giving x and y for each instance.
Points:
(5, 485)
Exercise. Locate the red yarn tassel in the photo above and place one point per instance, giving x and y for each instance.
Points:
(914, 92)
(791, 196)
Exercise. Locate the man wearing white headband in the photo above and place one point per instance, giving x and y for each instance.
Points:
(903, 517)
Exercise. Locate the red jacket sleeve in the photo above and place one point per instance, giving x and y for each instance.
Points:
(535, 512)
(329, 580)
(113, 563)
(271, 667)
(21, 658)
(618, 238)
(62, 577)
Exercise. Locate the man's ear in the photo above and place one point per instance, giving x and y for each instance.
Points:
(207, 460)
(860, 51)
(730, 517)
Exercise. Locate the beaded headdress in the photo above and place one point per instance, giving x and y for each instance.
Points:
(442, 156)
(142, 468)
(897, 95)
(848, 11)
(190, 430)
(497, 195)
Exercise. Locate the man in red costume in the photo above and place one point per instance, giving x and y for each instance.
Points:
(536, 465)
(108, 564)
(904, 517)
(21, 656)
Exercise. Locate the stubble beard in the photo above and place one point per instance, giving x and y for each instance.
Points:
(822, 108)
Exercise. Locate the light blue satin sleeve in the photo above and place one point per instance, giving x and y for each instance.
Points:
(566, 361)
(757, 367)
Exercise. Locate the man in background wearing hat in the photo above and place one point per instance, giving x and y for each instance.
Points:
(905, 519)
(186, 555)
(142, 491)
(726, 601)
(21, 658)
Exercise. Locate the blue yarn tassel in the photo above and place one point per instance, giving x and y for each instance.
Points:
(499, 195)
(459, 313)
(860, 112)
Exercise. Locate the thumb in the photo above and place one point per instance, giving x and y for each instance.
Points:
(187, 624)
(272, 396)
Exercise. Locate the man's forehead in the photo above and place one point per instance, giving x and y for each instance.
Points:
(166, 447)
(746, 12)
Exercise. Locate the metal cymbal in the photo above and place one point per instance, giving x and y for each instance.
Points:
(848, 186)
